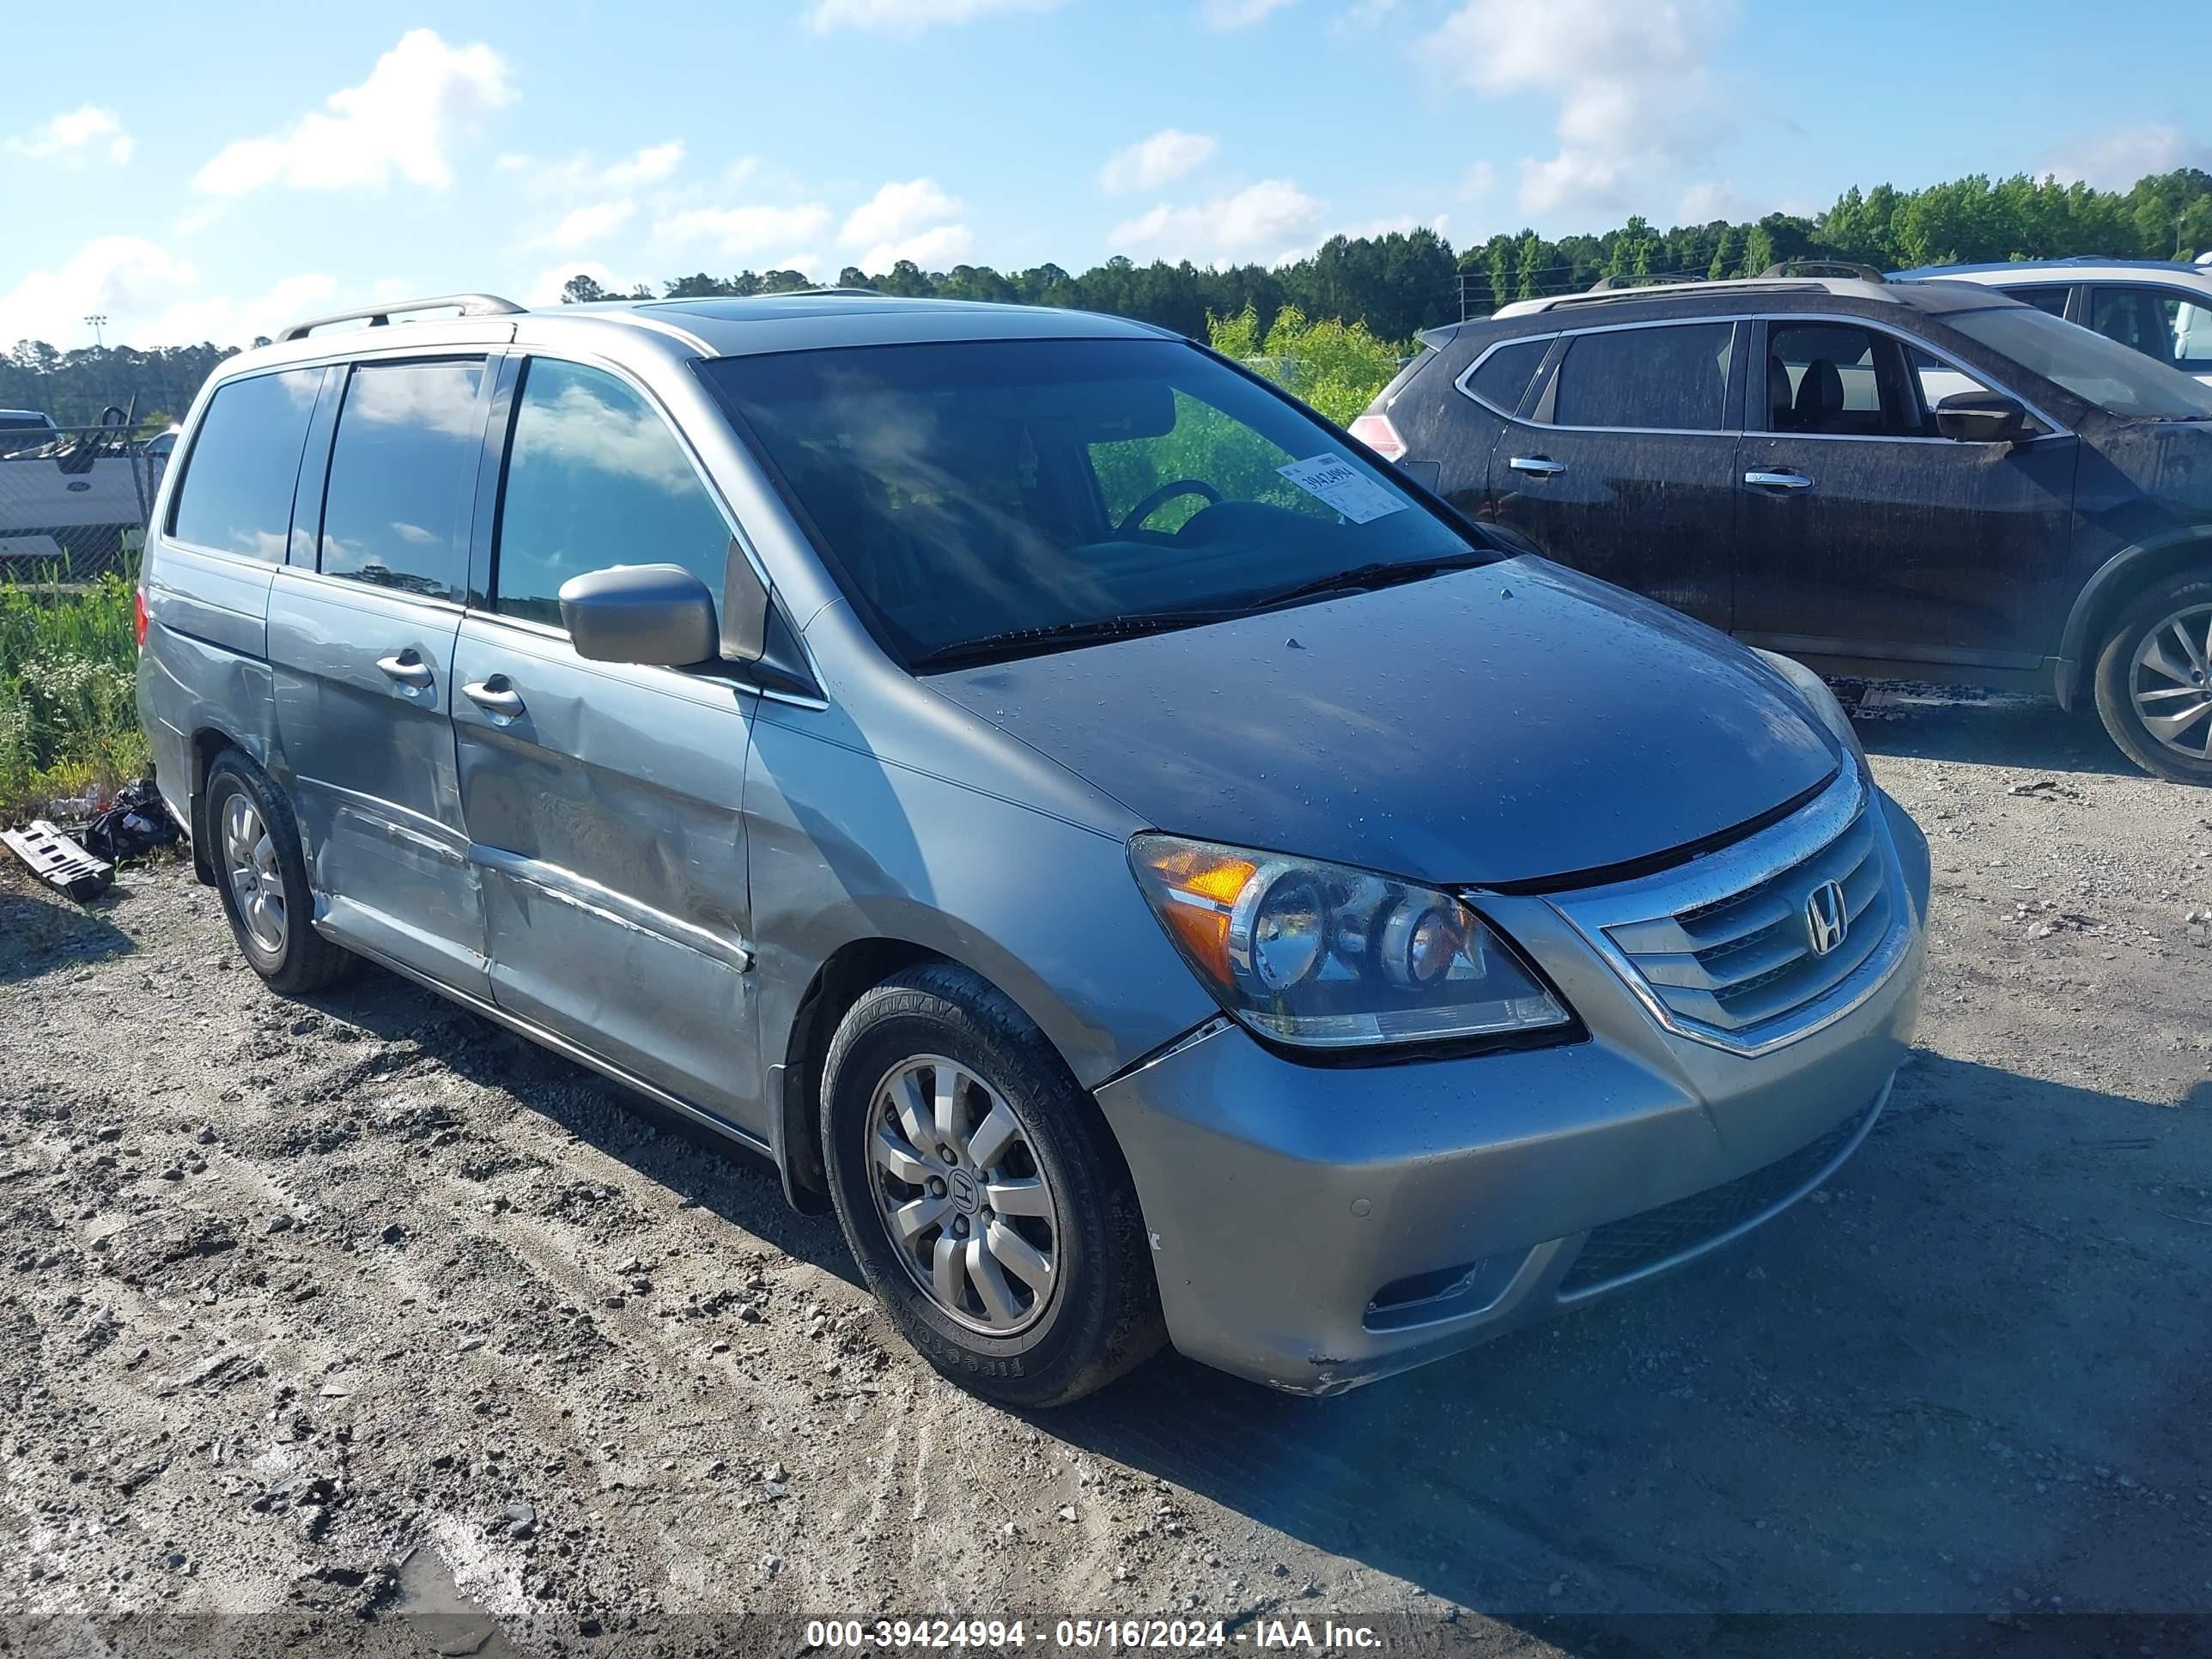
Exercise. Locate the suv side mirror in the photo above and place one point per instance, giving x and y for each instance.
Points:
(657, 614)
(1981, 417)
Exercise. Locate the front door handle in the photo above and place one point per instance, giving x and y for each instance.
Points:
(1778, 480)
(1537, 466)
(495, 696)
(408, 669)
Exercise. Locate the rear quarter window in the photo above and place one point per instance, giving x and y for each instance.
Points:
(1500, 379)
(236, 494)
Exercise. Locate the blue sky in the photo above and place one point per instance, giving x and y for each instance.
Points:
(209, 173)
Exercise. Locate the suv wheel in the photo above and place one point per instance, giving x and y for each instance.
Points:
(982, 1195)
(253, 841)
(2155, 681)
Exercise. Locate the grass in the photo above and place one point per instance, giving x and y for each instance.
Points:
(68, 714)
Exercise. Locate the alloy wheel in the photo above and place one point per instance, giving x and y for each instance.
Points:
(257, 885)
(962, 1196)
(2171, 682)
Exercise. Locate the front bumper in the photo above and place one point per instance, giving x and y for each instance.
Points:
(1318, 1227)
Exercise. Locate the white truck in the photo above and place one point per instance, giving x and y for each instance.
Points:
(73, 499)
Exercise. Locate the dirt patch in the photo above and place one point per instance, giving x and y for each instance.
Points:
(363, 1307)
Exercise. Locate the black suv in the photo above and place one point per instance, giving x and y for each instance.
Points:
(1921, 480)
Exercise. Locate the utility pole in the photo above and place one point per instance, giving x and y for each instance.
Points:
(98, 321)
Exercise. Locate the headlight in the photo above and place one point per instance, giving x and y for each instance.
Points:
(1330, 957)
(1818, 698)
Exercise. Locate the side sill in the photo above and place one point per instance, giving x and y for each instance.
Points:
(567, 1050)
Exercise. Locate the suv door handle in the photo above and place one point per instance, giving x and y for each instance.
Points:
(1537, 466)
(408, 668)
(495, 696)
(1778, 480)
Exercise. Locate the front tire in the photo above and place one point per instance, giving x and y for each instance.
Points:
(253, 842)
(2153, 680)
(982, 1195)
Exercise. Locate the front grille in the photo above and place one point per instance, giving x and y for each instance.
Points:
(1621, 1247)
(1735, 963)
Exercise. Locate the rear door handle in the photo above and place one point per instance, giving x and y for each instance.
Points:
(1537, 466)
(1778, 480)
(408, 669)
(495, 696)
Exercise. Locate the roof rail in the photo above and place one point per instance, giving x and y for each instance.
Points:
(1825, 267)
(468, 304)
(1645, 279)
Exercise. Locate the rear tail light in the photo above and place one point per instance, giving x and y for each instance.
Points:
(1379, 436)
(138, 614)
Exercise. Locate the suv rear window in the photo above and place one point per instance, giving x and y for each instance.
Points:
(1672, 378)
(236, 494)
(403, 477)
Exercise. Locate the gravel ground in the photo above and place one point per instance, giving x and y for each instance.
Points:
(360, 1307)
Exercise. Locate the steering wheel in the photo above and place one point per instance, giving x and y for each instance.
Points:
(1159, 498)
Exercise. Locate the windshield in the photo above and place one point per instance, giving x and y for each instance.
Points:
(967, 491)
(2097, 370)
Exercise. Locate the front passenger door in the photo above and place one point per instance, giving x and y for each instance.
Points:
(604, 800)
(1864, 534)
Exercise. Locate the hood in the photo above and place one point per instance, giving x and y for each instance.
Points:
(1498, 725)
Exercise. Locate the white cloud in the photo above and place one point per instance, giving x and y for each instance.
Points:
(2114, 160)
(649, 165)
(934, 249)
(1367, 14)
(582, 226)
(1477, 180)
(909, 16)
(1635, 95)
(75, 134)
(418, 100)
(145, 292)
(738, 233)
(1716, 199)
(1159, 160)
(1238, 14)
(1268, 215)
(897, 211)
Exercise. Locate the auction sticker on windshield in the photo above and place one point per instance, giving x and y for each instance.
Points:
(1342, 486)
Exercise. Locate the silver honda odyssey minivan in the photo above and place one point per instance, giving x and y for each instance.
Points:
(1160, 875)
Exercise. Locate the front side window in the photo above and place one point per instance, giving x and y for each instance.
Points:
(1671, 379)
(594, 478)
(403, 477)
(236, 493)
(2115, 378)
(1838, 378)
(1002, 497)
(2156, 322)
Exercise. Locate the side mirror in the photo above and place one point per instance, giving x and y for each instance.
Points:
(1981, 417)
(657, 614)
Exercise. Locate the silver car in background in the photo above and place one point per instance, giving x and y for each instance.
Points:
(1155, 872)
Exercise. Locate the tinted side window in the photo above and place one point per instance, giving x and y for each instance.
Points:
(1838, 378)
(236, 493)
(1504, 374)
(2053, 300)
(1674, 378)
(2157, 323)
(403, 477)
(595, 478)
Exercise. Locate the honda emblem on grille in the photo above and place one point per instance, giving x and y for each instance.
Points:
(1827, 920)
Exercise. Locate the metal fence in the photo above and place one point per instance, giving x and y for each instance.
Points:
(74, 501)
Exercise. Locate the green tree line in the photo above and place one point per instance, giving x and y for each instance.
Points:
(1390, 286)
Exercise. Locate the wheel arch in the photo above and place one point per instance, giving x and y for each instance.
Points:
(2111, 589)
(209, 744)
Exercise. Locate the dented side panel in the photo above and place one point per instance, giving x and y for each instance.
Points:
(606, 829)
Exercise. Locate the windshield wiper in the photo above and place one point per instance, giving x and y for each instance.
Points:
(1384, 573)
(1015, 641)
